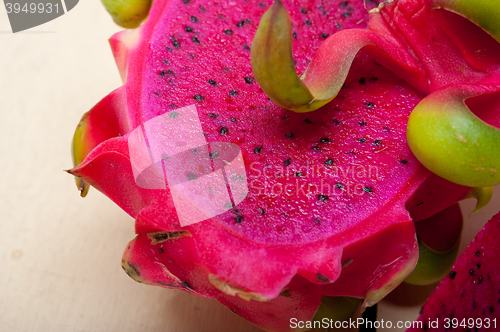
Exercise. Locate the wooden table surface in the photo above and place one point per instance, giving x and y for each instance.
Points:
(60, 254)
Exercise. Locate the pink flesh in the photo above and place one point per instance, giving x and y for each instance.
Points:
(474, 290)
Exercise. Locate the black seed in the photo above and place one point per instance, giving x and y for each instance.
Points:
(162, 73)
(324, 140)
(248, 80)
(257, 149)
(240, 23)
(472, 272)
(247, 21)
(223, 131)
(346, 14)
(322, 198)
(324, 35)
(478, 265)
(194, 19)
(246, 47)
(322, 277)
(317, 221)
(377, 142)
(212, 82)
(491, 309)
(478, 253)
(176, 44)
(362, 140)
(233, 93)
(362, 123)
(303, 10)
(213, 154)
(261, 211)
(186, 1)
(370, 105)
(321, 8)
(188, 28)
(335, 121)
(480, 280)
(191, 176)
(294, 34)
(185, 284)
(287, 162)
(203, 9)
(306, 120)
(195, 40)
(316, 148)
(233, 119)
(212, 115)
(473, 304)
(343, 4)
(170, 72)
(368, 189)
(289, 135)
(308, 23)
(339, 185)
(261, 4)
(160, 250)
(373, 79)
(299, 174)
(173, 115)
(329, 162)
(362, 80)
(198, 97)
(420, 203)
(239, 219)
(403, 161)
(228, 32)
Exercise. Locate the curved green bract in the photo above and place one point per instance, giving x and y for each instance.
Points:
(79, 150)
(483, 196)
(128, 14)
(336, 308)
(431, 266)
(484, 13)
(452, 142)
(272, 62)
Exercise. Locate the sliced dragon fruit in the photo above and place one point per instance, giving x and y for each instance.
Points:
(468, 298)
(327, 199)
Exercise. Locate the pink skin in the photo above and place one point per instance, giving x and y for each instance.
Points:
(283, 249)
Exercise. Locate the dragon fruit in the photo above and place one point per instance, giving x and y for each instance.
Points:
(467, 299)
(324, 203)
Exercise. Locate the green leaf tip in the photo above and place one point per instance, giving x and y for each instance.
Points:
(128, 14)
(272, 62)
(483, 196)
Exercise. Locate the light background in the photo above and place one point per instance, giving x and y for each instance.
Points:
(59, 254)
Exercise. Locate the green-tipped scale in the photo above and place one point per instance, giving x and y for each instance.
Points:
(128, 13)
